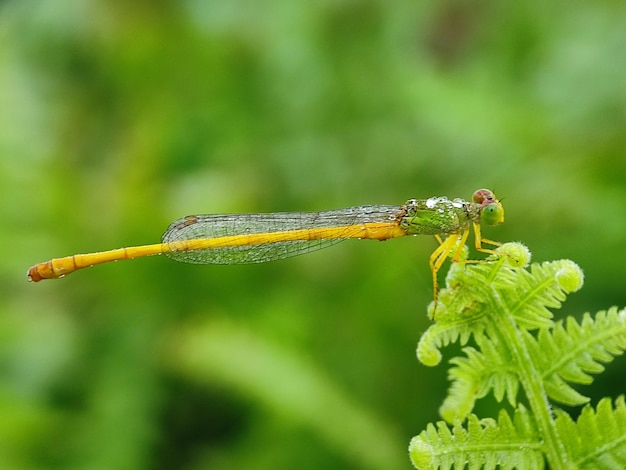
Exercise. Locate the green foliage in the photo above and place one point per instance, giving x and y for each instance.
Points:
(504, 307)
(484, 444)
(597, 438)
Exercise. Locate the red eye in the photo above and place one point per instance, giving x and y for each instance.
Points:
(483, 197)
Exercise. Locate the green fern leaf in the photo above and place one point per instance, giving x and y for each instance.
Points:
(542, 288)
(475, 375)
(458, 314)
(484, 444)
(476, 295)
(527, 294)
(440, 335)
(572, 352)
(597, 440)
(498, 304)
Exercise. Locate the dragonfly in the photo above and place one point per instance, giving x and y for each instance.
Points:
(261, 237)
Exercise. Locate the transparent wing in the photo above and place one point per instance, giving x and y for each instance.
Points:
(303, 225)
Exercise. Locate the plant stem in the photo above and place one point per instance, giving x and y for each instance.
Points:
(532, 383)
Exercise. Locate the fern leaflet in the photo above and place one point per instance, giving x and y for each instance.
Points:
(485, 443)
(570, 353)
(597, 440)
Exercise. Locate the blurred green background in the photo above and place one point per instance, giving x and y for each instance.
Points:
(118, 117)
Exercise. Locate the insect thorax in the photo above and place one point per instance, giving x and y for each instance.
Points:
(438, 216)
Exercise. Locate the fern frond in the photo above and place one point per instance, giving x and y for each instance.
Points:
(542, 288)
(597, 440)
(484, 444)
(440, 335)
(477, 294)
(475, 375)
(499, 304)
(572, 352)
(527, 294)
(458, 314)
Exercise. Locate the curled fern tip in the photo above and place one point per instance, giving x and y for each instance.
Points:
(570, 276)
(421, 454)
(517, 255)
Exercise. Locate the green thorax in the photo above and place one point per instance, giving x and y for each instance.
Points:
(438, 216)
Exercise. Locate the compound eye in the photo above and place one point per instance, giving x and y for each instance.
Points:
(492, 214)
(483, 197)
